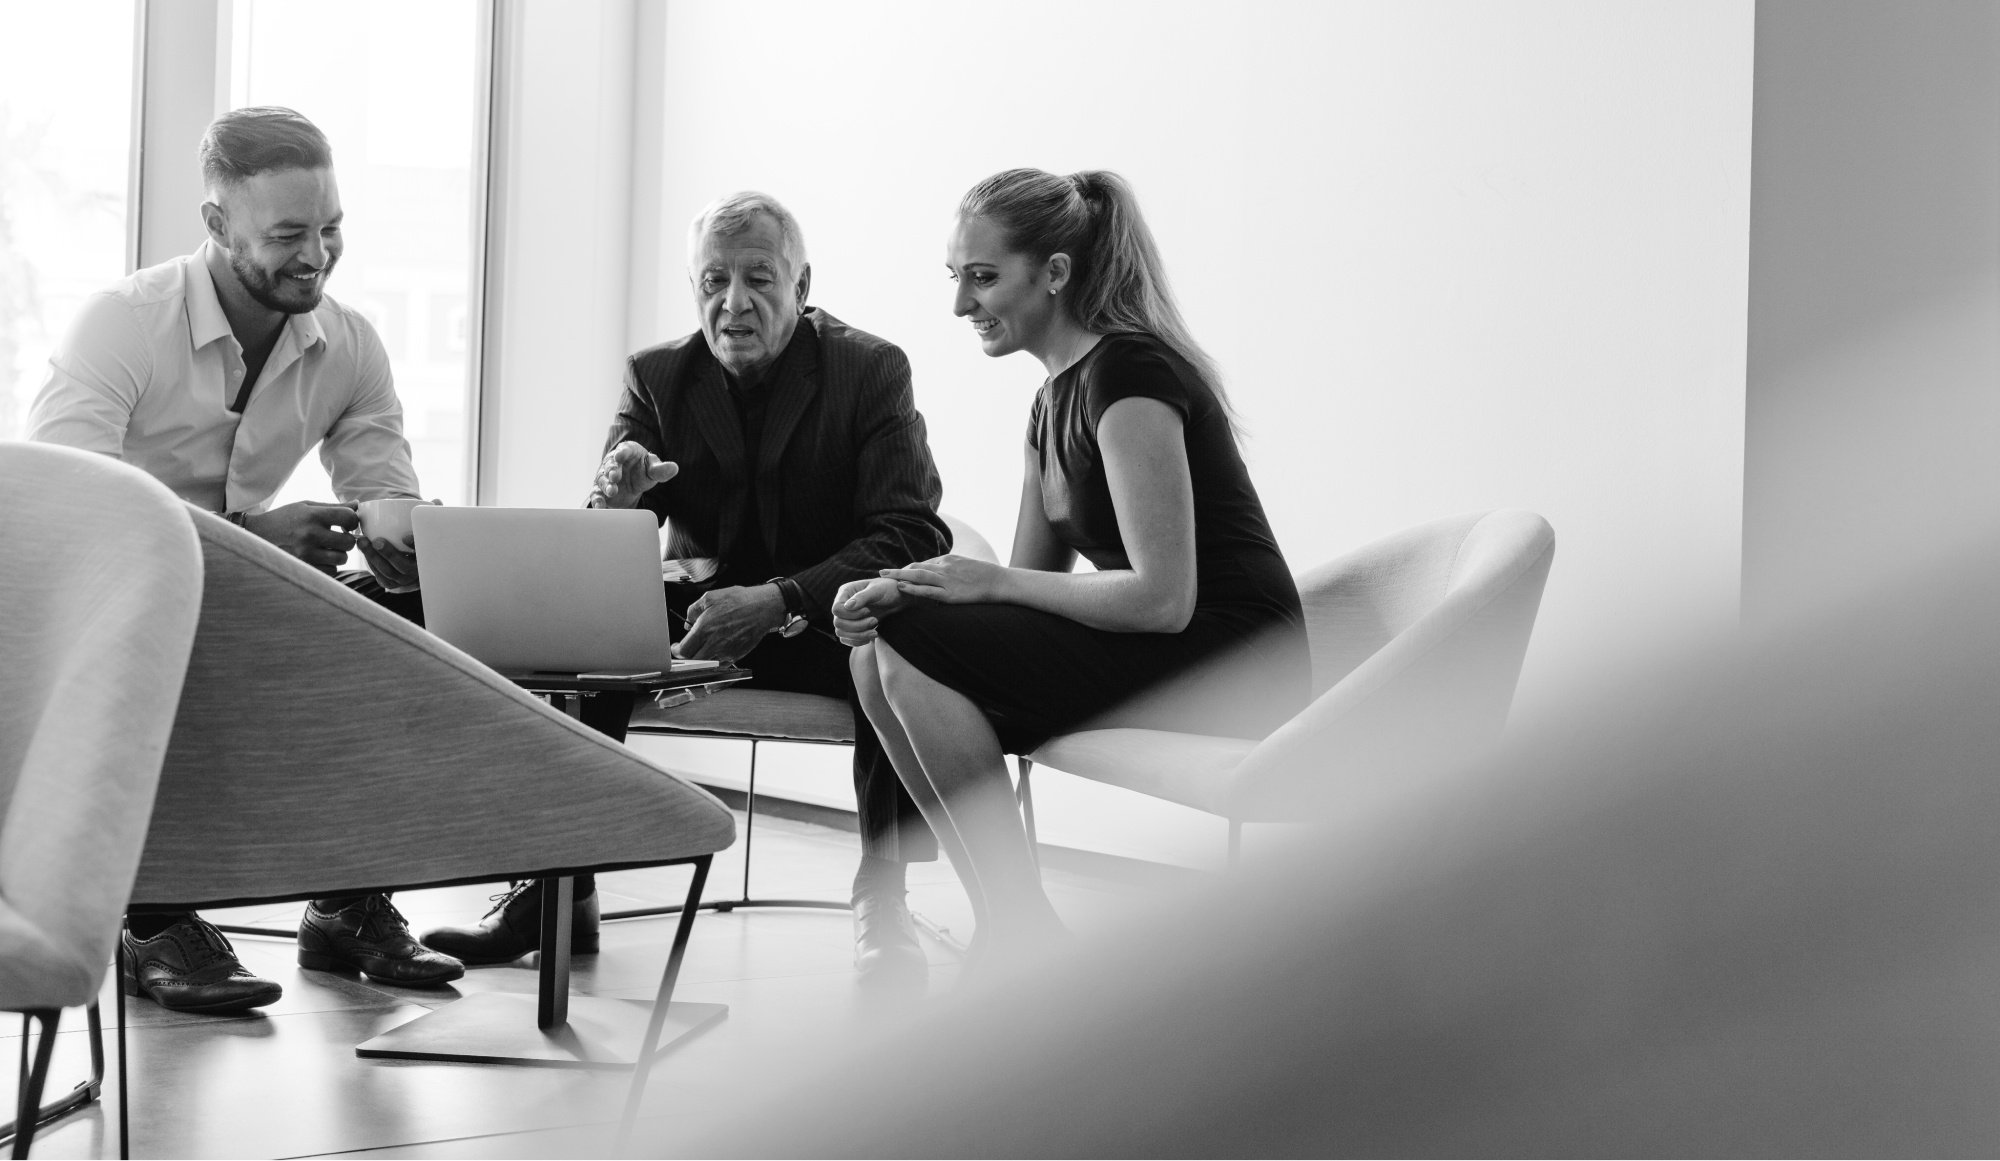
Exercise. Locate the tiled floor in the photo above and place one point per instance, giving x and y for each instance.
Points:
(286, 1083)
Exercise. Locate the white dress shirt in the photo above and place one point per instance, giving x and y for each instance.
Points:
(149, 368)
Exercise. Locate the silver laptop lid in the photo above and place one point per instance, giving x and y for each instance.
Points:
(561, 590)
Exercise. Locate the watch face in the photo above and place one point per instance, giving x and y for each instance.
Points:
(794, 626)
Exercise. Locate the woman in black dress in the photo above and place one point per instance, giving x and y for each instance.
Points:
(1191, 620)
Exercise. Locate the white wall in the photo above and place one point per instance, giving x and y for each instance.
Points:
(1450, 255)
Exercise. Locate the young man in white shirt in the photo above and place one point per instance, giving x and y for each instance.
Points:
(217, 372)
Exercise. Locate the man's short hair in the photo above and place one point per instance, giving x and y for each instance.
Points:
(245, 142)
(732, 213)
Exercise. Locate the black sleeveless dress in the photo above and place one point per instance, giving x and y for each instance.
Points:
(1240, 668)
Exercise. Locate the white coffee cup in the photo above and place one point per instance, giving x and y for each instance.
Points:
(388, 520)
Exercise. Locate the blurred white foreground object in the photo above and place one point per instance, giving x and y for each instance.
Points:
(1739, 905)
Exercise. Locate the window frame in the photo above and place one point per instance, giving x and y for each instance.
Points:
(184, 62)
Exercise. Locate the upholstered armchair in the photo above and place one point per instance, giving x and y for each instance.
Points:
(325, 746)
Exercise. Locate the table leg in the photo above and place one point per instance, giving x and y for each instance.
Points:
(570, 1032)
(558, 910)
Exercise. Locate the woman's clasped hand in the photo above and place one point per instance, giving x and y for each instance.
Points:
(952, 579)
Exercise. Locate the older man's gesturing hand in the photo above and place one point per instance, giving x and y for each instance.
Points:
(627, 473)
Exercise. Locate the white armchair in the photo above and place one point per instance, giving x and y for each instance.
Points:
(1417, 641)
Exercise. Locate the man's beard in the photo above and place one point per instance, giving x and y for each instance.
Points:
(268, 289)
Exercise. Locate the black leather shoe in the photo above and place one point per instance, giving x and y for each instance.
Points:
(371, 937)
(513, 928)
(886, 953)
(191, 967)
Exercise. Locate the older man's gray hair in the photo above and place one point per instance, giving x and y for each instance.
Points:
(732, 213)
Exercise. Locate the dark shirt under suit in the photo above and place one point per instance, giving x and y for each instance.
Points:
(821, 473)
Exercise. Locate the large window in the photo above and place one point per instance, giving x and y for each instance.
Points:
(394, 84)
(65, 165)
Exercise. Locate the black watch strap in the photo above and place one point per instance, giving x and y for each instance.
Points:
(795, 597)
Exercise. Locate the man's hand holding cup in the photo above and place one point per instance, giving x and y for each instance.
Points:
(319, 534)
(627, 473)
(388, 542)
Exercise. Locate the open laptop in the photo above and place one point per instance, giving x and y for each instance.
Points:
(546, 590)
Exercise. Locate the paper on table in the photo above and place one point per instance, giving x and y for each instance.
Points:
(689, 570)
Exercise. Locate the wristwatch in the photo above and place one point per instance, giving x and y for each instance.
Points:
(795, 606)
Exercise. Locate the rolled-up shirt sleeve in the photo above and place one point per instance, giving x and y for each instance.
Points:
(96, 374)
(364, 452)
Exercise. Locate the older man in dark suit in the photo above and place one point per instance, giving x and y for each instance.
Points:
(786, 450)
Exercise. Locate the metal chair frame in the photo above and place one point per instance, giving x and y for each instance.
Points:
(749, 827)
(29, 1112)
(930, 927)
(1024, 796)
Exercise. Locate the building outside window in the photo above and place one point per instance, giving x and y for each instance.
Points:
(66, 73)
(395, 86)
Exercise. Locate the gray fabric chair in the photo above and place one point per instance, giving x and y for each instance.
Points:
(305, 703)
(1417, 641)
(100, 583)
(762, 715)
(311, 720)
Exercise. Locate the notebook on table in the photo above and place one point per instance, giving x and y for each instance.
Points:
(547, 590)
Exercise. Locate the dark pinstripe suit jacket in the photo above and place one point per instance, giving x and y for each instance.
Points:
(845, 482)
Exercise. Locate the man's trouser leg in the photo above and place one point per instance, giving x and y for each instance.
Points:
(409, 606)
